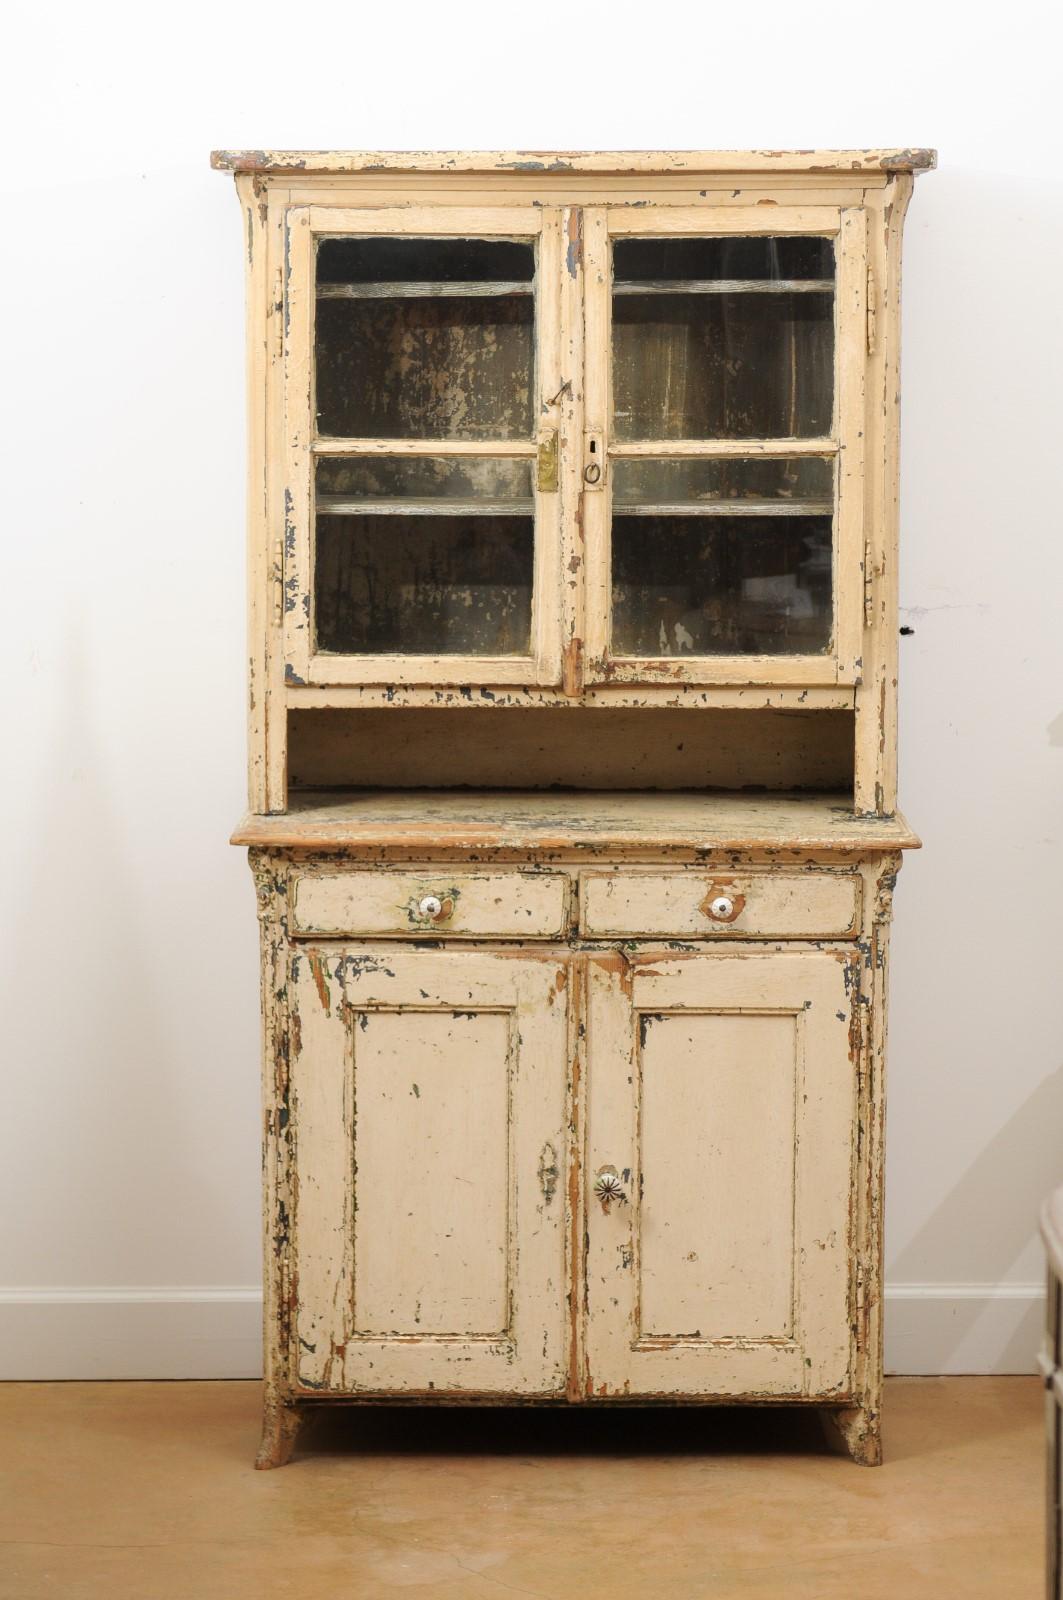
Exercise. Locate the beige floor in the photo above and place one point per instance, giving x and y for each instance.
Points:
(144, 1491)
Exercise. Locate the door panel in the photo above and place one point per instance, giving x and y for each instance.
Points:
(429, 1104)
(721, 1091)
(431, 1153)
(734, 1078)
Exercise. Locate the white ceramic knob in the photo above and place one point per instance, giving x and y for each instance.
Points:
(430, 906)
(722, 908)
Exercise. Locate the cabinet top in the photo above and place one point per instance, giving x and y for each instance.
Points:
(622, 162)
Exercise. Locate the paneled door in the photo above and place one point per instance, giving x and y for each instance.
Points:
(721, 1133)
(429, 1096)
(423, 404)
(723, 498)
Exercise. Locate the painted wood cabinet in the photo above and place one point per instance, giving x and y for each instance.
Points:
(572, 776)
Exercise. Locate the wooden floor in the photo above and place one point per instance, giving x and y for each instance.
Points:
(144, 1491)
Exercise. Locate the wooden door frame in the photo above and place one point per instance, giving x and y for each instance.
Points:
(330, 986)
(303, 665)
(820, 989)
(848, 226)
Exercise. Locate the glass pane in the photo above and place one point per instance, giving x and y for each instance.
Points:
(440, 584)
(721, 585)
(727, 338)
(745, 486)
(425, 338)
(756, 260)
(427, 484)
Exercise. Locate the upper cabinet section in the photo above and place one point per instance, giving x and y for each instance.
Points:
(579, 426)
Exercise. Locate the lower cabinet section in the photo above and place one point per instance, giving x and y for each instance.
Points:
(428, 1098)
(473, 1132)
(721, 1117)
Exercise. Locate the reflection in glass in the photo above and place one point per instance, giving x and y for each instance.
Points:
(728, 338)
(423, 584)
(745, 485)
(714, 585)
(428, 484)
(424, 338)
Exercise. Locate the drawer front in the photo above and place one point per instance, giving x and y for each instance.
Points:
(444, 904)
(704, 905)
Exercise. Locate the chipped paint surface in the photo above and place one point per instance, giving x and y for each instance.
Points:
(335, 1003)
(643, 162)
(443, 1086)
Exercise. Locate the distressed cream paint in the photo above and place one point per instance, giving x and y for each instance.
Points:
(531, 1134)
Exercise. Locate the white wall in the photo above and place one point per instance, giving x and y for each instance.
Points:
(129, 1178)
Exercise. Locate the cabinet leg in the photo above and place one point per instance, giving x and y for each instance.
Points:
(855, 1429)
(280, 1425)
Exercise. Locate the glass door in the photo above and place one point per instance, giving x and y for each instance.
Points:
(723, 444)
(422, 539)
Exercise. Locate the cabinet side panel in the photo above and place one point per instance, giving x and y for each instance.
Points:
(876, 698)
(253, 203)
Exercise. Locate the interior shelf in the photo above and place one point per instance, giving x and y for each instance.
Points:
(419, 291)
(727, 286)
(478, 288)
(338, 505)
(725, 508)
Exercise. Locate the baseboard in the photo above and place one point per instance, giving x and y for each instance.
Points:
(216, 1332)
(130, 1333)
(954, 1328)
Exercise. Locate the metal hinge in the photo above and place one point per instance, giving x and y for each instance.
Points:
(872, 311)
(860, 1309)
(277, 313)
(284, 1304)
(277, 580)
(869, 585)
(864, 1014)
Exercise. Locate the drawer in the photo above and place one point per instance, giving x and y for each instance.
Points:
(446, 904)
(708, 905)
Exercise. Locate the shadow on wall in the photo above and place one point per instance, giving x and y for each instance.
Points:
(983, 1205)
